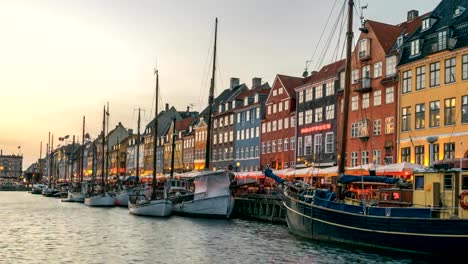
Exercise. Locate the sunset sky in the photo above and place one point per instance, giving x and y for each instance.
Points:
(62, 60)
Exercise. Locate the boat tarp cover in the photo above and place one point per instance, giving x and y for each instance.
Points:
(213, 184)
(269, 173)
(382, 179)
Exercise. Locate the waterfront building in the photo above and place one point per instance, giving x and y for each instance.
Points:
(247, 123)
(433, 72)
(11, 166)
(187, 135)
(317, 116)
(374, 90)
(222, 147)
(131, 155)
(278, 131)
(200, 131)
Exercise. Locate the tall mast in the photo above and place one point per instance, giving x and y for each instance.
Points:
(70, 158)
(347, 90)
(40, 160)
(155, 135)
(107, 147)
(173, 148)
(138, 148)
(210, 101)
(49, 163)
(82, 151)
(103, 144)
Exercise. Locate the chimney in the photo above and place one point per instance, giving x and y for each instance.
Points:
(167, 107)
(256, 81)
(130, 131)
(188, 109)
(412, 14)
(234, 83)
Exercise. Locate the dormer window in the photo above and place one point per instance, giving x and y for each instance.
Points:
(442, 40)
(246, 101)
(256, 98)
(426, 23)
(415, 47)
(226, 107)
(220, 108)
(399, 41)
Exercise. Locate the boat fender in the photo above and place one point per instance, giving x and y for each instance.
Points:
(463, 203)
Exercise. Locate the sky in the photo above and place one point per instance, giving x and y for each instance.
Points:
(62, 60)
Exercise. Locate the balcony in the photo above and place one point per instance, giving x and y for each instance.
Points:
(364, 55)
(364, 85)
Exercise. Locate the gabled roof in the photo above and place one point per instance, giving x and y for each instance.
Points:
(386, 34)
(290, 82)
(261, 89)
(165, 119)
(226, 96)
(184, 124)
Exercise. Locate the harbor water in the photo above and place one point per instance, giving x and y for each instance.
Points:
(37, 229)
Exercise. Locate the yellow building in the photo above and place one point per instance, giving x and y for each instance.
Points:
(433, 88)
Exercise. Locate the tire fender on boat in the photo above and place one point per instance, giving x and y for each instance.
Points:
(463, 203)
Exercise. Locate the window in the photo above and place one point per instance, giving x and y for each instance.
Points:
(286, 105)
(280, 107)
(273, 146)
(390, 66)
(268, 126)
(377, 156)
(405, 154)
(275, 92)
(293, 121)
(286, 123)
(415, 47)
(377, 69)
(292, 143)
(285, 144)
(419, 182)
(268, 147)
(237, 154)
(354, 103)
(269, 109)
(389, 98)
(465, 67)
(419, 116)
(318, 144)
(420, 77)
(330, 112)
(448, 181)
(449, 112)
(442, 40)
(280, 90)
(464, 109)
(389, 126)
(308, 117)
(406, 118)
(263, 128)
(342, 80)
(256, 98)
(450, 71)
(258, 112)
(257, 131)
(307, 145)
(273, 125)
(300, 96)
(364, 48)
(419, 152)
(308, 94)
(354, 157)
(299, 146)
(426, 23)
(449, 150)
(300, 118)
(274, 108)
(435, 152)
(329, 138)
(329, 89)
(364, 157)
(434, 69)
(355, 76)
(319, 114)
(256, 152)
(377, 127)
(434, 114)
(263, 147)
(377, 98)
(365, 100)
(406, 85)
(318, 92)
(366, 71)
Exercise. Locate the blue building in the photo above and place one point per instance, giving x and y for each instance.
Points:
(247, 125)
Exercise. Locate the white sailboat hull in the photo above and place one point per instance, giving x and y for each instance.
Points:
(160, 207)
(100, 200)
(76, 197)
(217, 207)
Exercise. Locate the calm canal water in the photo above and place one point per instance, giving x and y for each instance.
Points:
(37, 229)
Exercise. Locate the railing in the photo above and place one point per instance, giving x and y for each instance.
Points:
(365, 85)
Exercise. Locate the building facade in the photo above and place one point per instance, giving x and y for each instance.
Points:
(11, 166)
(433, 72)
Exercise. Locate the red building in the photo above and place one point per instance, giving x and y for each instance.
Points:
(278, 130)
(374, 92)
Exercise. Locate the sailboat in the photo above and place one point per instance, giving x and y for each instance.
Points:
(212, 196)
(158, 204)
(101, 197)
(323, 215)
(76, 193)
